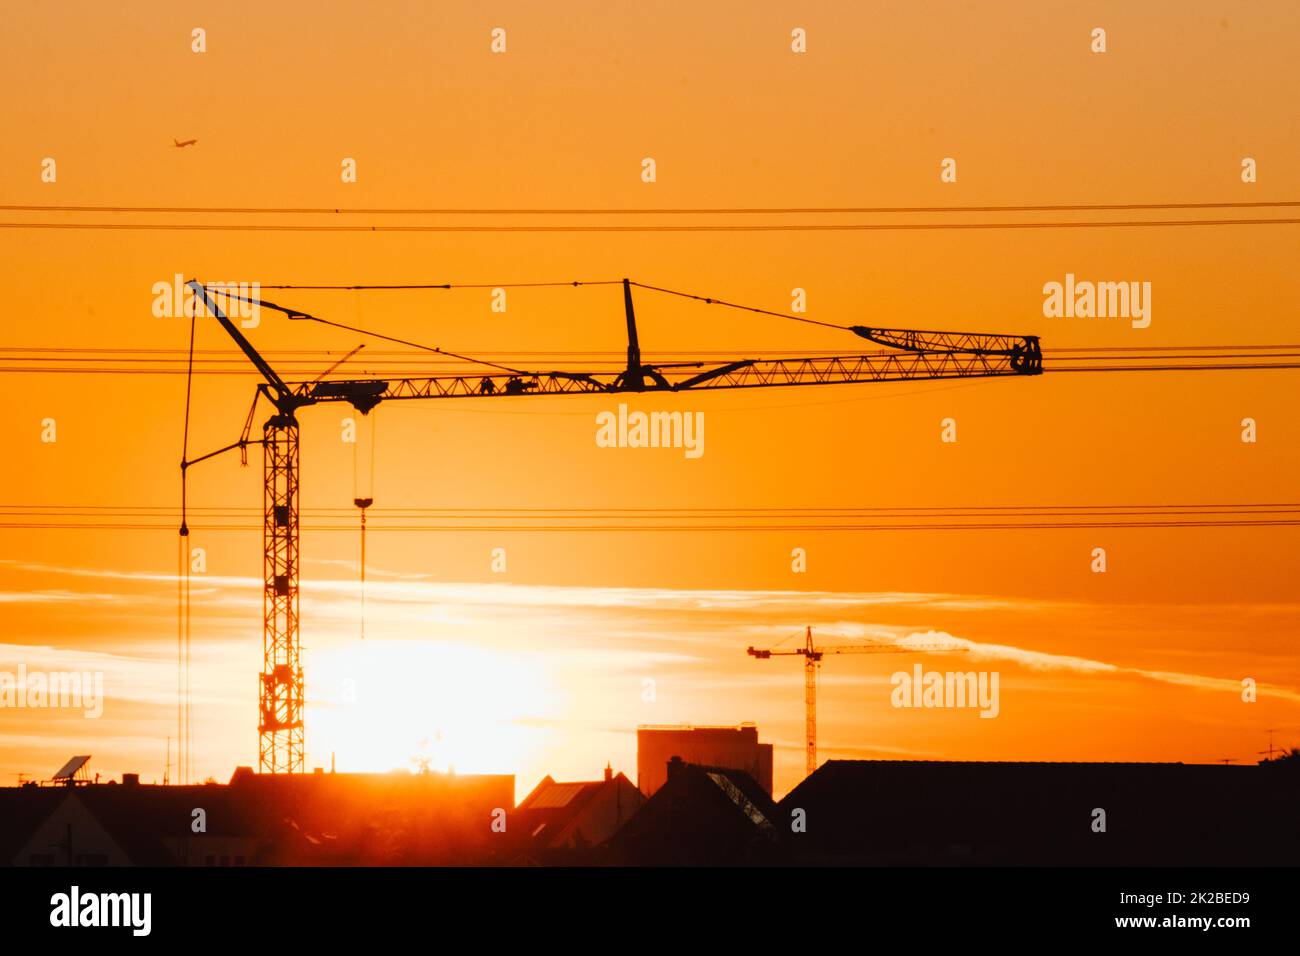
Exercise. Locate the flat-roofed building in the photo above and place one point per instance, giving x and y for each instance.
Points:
(735, 748)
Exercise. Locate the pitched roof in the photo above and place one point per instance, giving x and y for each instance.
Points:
(743, 791)
(546, 816)
(22, 810)
(1156, 813)
(703, 816)
(549, 795)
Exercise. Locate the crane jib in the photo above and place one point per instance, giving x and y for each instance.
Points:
(908, 355)
(963, 342)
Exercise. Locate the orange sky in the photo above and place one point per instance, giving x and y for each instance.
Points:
(541, 669)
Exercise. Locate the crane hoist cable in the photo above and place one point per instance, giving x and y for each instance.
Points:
(183, 709)
(362, 502)
(180, 657)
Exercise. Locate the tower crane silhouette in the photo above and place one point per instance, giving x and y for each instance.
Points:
(812, 656)
(907, 355)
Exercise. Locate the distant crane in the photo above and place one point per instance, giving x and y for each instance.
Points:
(907, 355)
(812, 657)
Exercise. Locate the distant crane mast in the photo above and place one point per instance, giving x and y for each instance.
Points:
(911, 355)
(812, 657)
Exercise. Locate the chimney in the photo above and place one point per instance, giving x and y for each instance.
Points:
(609, 772)
(130, 779)
(675, 766)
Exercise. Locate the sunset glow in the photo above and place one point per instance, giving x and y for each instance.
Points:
(631, 580)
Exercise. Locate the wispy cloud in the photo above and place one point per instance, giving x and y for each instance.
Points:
(614, 619)
(1041, 661)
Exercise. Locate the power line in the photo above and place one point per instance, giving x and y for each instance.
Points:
(420, 374)
(942, 510)
(615, 519)
(687, 228)
(447, 285)
(1077, 355)
(1053, 363)
(315, 354)
(643, 210)
(680, 527)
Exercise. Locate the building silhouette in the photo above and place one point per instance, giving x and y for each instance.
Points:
(703, 816)
(394, 819)
(849, 812)
(916, 812)
(735, 748)
(567, 823)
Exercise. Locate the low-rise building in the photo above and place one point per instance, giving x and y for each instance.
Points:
(736, 748)
(702, 816)
(946, 813)
(568, 822)
(395, 819)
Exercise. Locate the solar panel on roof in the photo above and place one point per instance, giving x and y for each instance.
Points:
(69, 769)
(556, 796)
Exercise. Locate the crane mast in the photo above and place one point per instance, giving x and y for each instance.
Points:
(907, 355)
(281, 727)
